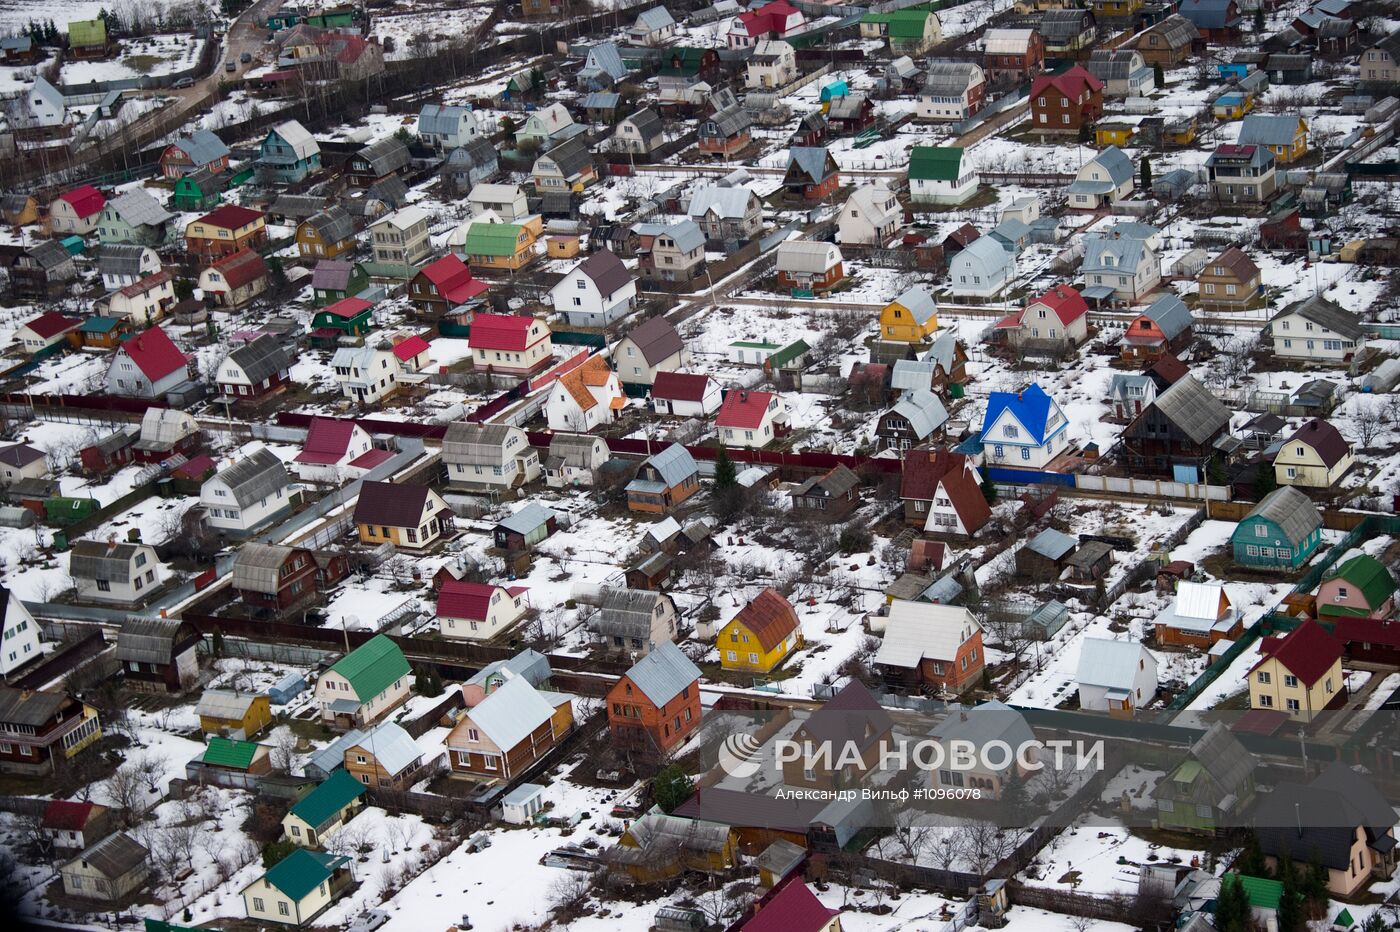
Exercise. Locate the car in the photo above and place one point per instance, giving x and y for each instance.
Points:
(183, 83)
(230, 66)
(246, 57)
(371, 921)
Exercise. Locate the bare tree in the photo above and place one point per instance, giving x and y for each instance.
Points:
(125, 790)
(284, 751)
(983, 844)
(151, 766)
(570, 892)
(1368, 420)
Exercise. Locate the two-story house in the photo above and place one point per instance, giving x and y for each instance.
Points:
(656, 704)
(1025, 429)
(364, 685)
(241, 498)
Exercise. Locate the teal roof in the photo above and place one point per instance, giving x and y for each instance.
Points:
(302, 871)
(339, 791)
(99, 325)
(372, 667)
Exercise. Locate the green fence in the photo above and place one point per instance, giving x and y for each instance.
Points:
(448, 328)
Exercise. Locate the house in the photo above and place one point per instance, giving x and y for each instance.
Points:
(1067, 32)
(775, 19)
(19, 461)
(548, 126)
(243, 497)
(635, 621)
(364, 685)
(985, 724)
(166, 432)
(931, 648)
(642, 133)
(1358, 587)
(918, 417)
(771, 65)
(470, 165)
(664, 481)
(1165, 327)
(1380, 64)
(953, 91)
(1117, 677)
(333, 281)
(585, 397)
(409, 517)
(1068, 102)
(133, 217)
(764, 633)
(327, 234)
(386, 757)
(1284, 135)
(1120, 264)
(278, 578)
(112, 572)
(488, 457)
(793, 907)
(568, 167)
(941, 175)
(652, 27)
(812, 173)
(385, 158)
(108, 872)
(676, 253)
(122, 264)
(871, 216)
(42, 726)
(655, 705)
(508, 344)
(297, 888)
(832, 495)
(1339, 820)
(446, 128)
(400, 242)
(1180, 428)
(908, 32)
(726, 214)
(658, 847)
(749, 419)
(508, 732)
(596, 292)
(506, 246)
(42, 272)
(1123, 72)
(574, 460)
(254, 370)
(366, 374)
(685, 394)
(224, 231)
(602, 68)
(444, 287)
(911, 317)
(685, 75)
(235, 280)
(1299, 673)
(1103, 181)
(288, 154)
(478, 612)
(143, 302)
(806, 265)
(318, 815)
(72, 826)
(1316, 456)
(506, 201)
(48, 113)
(233, 714)
(1168, 43)
(157, 655)
(21, 642)
(528, 526)
(19, 210)
(337, 451)
(1316, 330)
(1012, 54)
(76, 212)
(982, 270)
(1215, 20)
(1201, 616)
(1230, 282)
(942, 493)
(1210, 788)
(1282, 531)
(850, 114)
(1024, 429)
(1057, 320)
(1241, 174)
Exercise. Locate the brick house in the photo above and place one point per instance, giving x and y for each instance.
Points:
(656, 703)
(1066, 103)
(931, 647)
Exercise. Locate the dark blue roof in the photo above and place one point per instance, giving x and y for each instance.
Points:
(1031, 407)
(1208, 14)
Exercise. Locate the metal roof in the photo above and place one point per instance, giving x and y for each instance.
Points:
(98, 560)
(1194, 409)
(167, 426)
(114, 856)
(674, 464)
(137, 208)
(224, 704)
(202, 147)
(510, 713)
(923, 410)
(727, 203)
(148, 640)
(442, 120)
(1326, 314)
(1293, 512)
(471, 444)
(301, 142)
(526, 519)
(807, 256)
(261, 359)
(1267, 129)
(257, 567)
(916, 631)
(254, 477)
(393, 748)
(663, 673)
(1108, 663)
(1052, 544)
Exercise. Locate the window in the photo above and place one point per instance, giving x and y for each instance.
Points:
(1294, 705)
(1290, 680)
(258, 905)
(1265, 676)
(282, 909)
(1265, 701)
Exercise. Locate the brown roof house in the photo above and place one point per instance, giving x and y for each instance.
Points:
(832, 495)
(942, 493)
(1230, 282)
(762, 635)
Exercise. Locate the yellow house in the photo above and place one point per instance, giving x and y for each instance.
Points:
(761, 636)
(1299, 674)
(509, 246)
(321, 812)
(412, 517)
(297, 888)
(910, 318)
(233, 714)
(1233, 106)
(1115, 9)
(1314, 457)
(1114, 133)
(1285, 135)
(1182, 132)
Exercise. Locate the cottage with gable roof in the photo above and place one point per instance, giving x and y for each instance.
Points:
(635, 621)
(664, 481)
(447, 127)
(573, 460)
(288, 154)
(812, 173)
(47, 107)
(941, 175)
(478, 612)
(980, 725)
(1024, 429)
(77, 211)
(1360, 587)
(1284, 135)
(1103, 181)
(952, 91)
(929, 646)
(1121, 263)
(750, 419)
(298, 888)
(147, 366)
(1180, 428)
(242, 498)
(1210, 788)
(566, 168)
(1201, 616)
(772, 64)
(446, 287)
(488, 457)
(224, 231)
(509, 732)
(1123, 72)
(871, 216)
(1165, 327)
(133, 216)
(509, 344)
(981, 270)
(1055, 321)
(656, 704)
(1299, 673)
(1117, 677)
(236, 279)
(1169, 42)
(144, 302)
(411, 517)
(387, 757)
(1316, 330)
(596, 292)
(365, 685)
(1283, 530)
(326, 234)
(107, 571)
(108, 872)
(942, 493)
(675, 253)
(652, 27)
(1316, 456)
(918, 417)
(639, 134)
(254, 370)
(764, 634)
(731, 214)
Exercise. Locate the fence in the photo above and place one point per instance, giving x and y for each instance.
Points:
(1111, 485)
(1332, 520)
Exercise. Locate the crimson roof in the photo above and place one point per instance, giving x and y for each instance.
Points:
(146, 284)
(1307, 651)
(457, 599)
(1326, 441)
(453, 279)
(326, 441)
(85, 200)
(925, 469)
(1067, 303)
(347, 307)
(155, 354)
(67, 816)
(679, 386)
(409, 348)
(500, 332)
(231, 216)
(743, 409)
(794, 908)
(1380, 631)
(770, 617)
(51, 324)
(1071, 83)
(241, 267)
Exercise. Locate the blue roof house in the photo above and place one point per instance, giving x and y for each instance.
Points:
(1023, 430)
(288, 154)
(1283, 530)
(602, 69)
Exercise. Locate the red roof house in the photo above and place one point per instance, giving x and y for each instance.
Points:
(1065, 102)
(791, 907)
(1059, 315)
(346, 308)
(478, 610)
(409, 350)
(46, 330)
(772, 19)
(508, 343)
(236, 278)
(746, 418)
(685, 394)
(1308, 652)
(333, 444)
(934, 475)
(443, 286)
(147, 366)
(84, 201)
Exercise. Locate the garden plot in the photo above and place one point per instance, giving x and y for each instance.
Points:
(1100, 859)
(417, 35)
(148, 56)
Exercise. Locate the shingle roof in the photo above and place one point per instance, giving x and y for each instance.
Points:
(1326, 314)
(115, 856)
(1325, 439)
(392, 505)
(606, 271)
(656, 339)
(372, 667)
(769, 617)
(663, 673)
(254, 477)
(1291, 510)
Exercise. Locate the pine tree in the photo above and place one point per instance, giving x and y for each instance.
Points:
(1145, 170)
(1314, 889)
(671, 787)
(1259, 24)
(1014, 798)
(51, 32)
(1231, 906)
(1158, 76)
(1251, 859)
(1290, 908)
(1264, 481)
(726, 477)
(989, 490)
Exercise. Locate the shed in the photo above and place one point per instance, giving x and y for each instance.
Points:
(521, 804)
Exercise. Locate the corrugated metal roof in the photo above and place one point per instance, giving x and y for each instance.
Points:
(254, 477)
(147, 640)
(923, 410)
(257, 567)
(393, 748)
(115, 856)
(663, 673)
(511, 713)
(916, 631)
(1108, 663)
(1194, 409)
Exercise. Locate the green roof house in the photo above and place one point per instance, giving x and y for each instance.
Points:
(1210, 788)
(913, 32)
(297, 888)
(940, 176)
(324, 810)
(1359, 587)
(1283, 530)
(87, 38)
(1264, 895)
(364, 685)
(792, 356)
(241, 757)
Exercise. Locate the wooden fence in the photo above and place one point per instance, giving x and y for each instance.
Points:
(1332, 520)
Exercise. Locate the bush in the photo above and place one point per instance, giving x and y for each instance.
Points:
(275, 851)
(855, 539)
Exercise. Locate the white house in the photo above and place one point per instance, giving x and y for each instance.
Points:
(470, 611)
(21, 634)
(750, 419)
(952, 91)
(648, 350)
(366, 684)
(401, 239)
(122, 264)
(1117, 677)
(596, 292)
(585, 397)
(143, 302)
(147, 366)
(1316, 330)
(243, 497)
(1024, 429)
(685, 394)
(366, 374)
(48, 329)
(546, 123)
(254, 369)
(47, 106)
(336, 452)
(488, 456)
(773, 64)
(871, 216)
(941, 175)
(446, 128)
(1103, 181)
(639, 134)
(982, 269)
(506, 201)
(1121, 263)
(20, 461)
(653, 27)
(105, 571)
(574, 460)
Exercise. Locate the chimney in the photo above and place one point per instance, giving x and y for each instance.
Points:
(962, 716)
(25, 693)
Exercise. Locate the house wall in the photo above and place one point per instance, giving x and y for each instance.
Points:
(278, 907)
(1269, 688)
(87, 882)
(635, 723)
(1299, 464)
